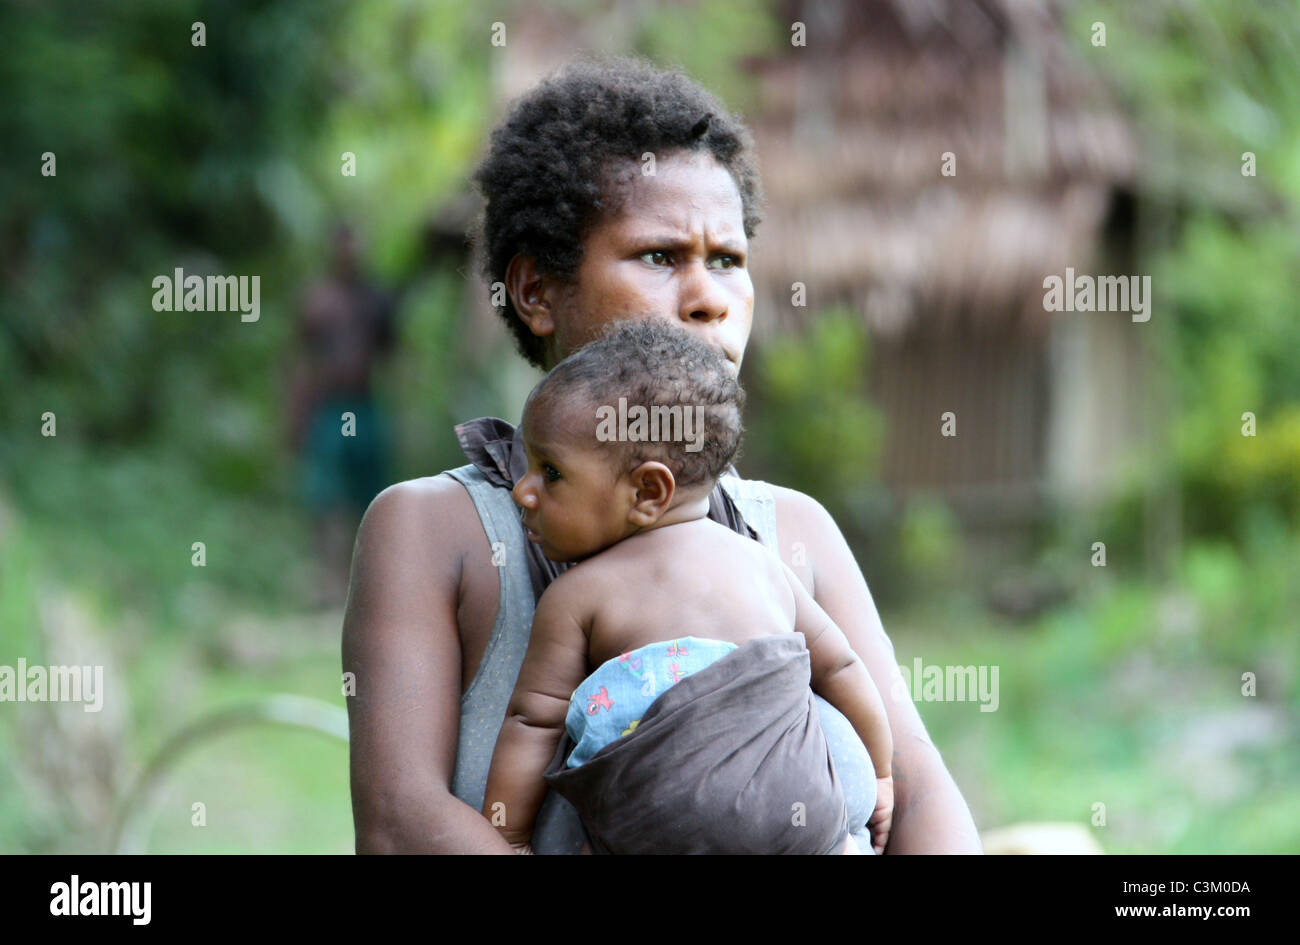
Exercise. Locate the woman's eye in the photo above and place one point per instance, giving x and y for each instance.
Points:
(656, 257)
(552, 473)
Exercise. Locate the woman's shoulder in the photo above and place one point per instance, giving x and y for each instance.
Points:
(798, 513)
(429, 494)
(794, 502)
(788, 511)
(799, 529)
(430, 510)
(765, 491)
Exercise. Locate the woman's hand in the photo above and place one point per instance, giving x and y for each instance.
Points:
(882, 818)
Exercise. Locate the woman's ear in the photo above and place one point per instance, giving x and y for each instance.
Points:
(655, 487)
(530, 291)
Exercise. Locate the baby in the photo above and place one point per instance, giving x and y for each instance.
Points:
(697, 731)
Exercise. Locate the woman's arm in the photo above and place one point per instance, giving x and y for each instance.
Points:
(930, 815)
(402, 642)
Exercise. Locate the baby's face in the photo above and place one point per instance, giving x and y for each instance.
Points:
(568, 500)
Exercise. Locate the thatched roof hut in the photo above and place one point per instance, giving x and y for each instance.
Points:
(853, 131)
(928, 164)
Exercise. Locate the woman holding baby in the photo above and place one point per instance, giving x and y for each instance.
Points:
(444, 581)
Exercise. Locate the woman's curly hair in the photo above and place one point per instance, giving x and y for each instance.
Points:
(545, 178)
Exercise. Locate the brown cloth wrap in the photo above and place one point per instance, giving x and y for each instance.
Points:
(716, 765)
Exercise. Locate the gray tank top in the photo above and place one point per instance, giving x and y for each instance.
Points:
(483, 706)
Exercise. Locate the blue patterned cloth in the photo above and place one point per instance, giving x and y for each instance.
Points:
(609, 703)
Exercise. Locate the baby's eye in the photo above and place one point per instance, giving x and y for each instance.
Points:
(656, 257)
(552, 473)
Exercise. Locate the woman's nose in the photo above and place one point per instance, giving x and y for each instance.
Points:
(702, 299)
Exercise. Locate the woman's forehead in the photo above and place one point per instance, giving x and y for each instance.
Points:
(684, 191)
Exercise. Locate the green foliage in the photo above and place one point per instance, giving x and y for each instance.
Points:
(163, 151)
(1239, 328)
(123, 523)
(929, 536)
(737, 29)
(417, 92)
(809, 417)
(220, 158)
(1207, 83)
(1132, 695)
(19, 568)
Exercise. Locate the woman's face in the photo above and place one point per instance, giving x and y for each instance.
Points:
(674, 249)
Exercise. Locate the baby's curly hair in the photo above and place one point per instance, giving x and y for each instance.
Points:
(546, 177)
(654, 365)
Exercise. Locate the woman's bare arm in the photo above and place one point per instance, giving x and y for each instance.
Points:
(930, 815)
(401, 640)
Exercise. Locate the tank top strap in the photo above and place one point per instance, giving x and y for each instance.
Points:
(755, 500)
(505, 650)
(483, 706)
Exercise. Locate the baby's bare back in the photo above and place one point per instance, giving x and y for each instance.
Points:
(696, 578)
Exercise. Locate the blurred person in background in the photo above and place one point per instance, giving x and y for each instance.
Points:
(345, 324)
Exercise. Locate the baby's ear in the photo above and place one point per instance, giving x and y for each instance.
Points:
(653, 487)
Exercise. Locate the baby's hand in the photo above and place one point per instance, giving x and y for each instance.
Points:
(882, 818)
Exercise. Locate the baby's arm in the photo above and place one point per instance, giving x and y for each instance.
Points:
(553, 667)
(840, 677)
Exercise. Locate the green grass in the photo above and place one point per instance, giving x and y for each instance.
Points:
(106, 570)
(266, 789)
(1139, 722)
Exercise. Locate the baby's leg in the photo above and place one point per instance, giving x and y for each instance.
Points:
(850, 847)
